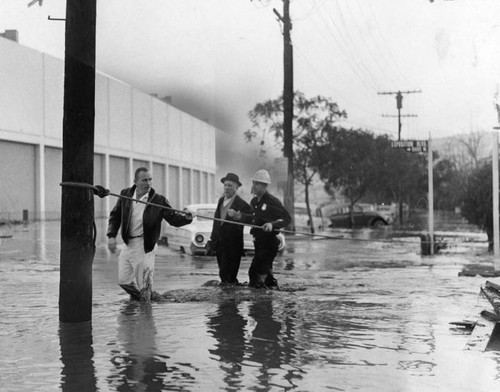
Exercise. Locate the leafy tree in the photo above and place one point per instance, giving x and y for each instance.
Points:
(365, 165)
(348, 162)
(477, 201)
(447, 185)
(311, 117)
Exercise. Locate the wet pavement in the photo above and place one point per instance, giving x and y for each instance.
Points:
(362, 315)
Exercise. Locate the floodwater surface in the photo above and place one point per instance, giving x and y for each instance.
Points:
(355, 315)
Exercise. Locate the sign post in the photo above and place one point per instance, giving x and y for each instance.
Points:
(494, 165)
(414, 146)
(431, 195)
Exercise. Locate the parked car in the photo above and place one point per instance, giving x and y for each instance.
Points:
(192, 238)
(302, 217)
(388, 212)
(340, 217)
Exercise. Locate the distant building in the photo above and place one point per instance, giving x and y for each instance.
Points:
(132, 129)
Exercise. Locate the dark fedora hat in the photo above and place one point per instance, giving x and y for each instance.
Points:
(231, 177)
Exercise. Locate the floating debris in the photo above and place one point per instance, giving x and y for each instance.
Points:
(213, 291)
(486, 271)
(485, 333)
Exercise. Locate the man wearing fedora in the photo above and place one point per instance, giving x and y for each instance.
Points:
(226, 240)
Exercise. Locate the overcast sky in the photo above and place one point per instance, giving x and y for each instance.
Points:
(218, 58)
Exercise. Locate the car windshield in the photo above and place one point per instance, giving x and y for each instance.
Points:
(205, 213)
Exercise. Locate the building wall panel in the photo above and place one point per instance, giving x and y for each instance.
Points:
(160, 131)
(213, 194)
(119, 174)
(17, 180)
(53, 96)
(186, 187)
(174, 134)
(197, 141)
(140, 163)
(196, 186)
(131, 129)
(208, 147)
(187, 140)
(120, 116)
(101, 111)
(174, 187)
(53, 176)
(159, 178)
(21, 97)
(141, 122)
(99, 179)
(204, 187)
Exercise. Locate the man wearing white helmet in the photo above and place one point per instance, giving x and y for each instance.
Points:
(270, 215)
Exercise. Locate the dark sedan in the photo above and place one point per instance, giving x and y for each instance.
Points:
(340, 217)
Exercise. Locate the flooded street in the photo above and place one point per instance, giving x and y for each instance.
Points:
(365, 315)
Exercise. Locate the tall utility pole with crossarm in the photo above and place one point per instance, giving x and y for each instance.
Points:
(288, 105)
(399, 106)
(77, 204)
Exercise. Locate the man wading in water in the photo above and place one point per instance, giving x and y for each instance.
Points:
(270, 215)
(226, 239)
(140, 229)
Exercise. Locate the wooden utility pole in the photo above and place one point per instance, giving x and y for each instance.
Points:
(288, 95)
(77, 204)
(399, 106)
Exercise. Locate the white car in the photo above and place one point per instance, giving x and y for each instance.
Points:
(192, 238)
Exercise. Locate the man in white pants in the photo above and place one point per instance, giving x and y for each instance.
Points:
(140, 230)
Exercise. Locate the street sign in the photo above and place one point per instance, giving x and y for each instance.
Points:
(411, 145)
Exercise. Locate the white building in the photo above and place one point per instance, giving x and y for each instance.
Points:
(132, 129)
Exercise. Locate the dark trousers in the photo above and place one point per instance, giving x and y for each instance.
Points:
(260, 272)
(228, 259)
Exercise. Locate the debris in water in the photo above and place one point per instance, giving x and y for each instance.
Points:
(213, 291)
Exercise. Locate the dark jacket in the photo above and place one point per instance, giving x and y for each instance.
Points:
(151, 219)
(227, 232)
(268, 210)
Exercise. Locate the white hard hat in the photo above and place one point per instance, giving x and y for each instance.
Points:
(262, 176)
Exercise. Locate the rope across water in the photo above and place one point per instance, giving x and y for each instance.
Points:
(103, 192)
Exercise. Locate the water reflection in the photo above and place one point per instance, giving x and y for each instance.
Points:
(41, 241)
(227, 326)
(77, 354)
(264, 340)
(138, 367)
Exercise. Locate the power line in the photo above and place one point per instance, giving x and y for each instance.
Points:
(383, 39)
(362, 40)
(350, 45)
(340, 45)
(329, 81)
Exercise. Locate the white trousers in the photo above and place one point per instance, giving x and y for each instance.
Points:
(135, 267)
